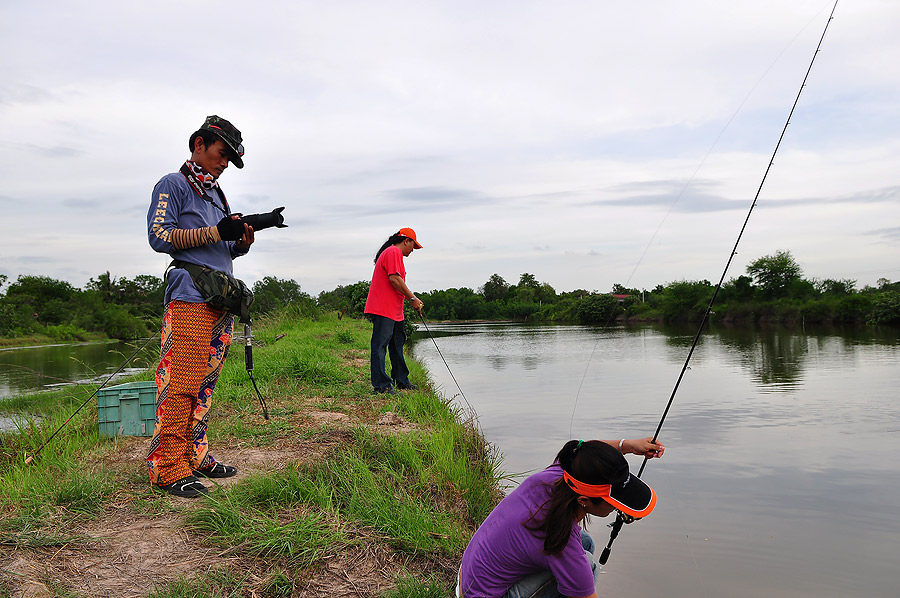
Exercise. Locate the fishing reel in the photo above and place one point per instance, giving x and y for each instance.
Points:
(625, 517)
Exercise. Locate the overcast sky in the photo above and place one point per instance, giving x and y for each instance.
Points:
(587, 143)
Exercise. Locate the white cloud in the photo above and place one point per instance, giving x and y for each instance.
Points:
(515, 137)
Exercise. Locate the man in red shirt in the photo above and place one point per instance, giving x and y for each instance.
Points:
(384, 305)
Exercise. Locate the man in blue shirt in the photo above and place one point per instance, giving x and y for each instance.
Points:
(189, 219)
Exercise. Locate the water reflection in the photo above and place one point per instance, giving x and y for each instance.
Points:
(28, 369)
(772, 476)
(776, 357)
(773, 358)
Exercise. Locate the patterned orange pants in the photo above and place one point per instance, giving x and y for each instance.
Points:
(193, 348)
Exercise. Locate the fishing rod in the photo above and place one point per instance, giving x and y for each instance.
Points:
(248, 363)
(30, 458)
(248, 360)
(620, 517)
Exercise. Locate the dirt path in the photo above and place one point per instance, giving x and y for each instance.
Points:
(129, 553)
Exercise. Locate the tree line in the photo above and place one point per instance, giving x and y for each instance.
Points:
(120, 308)
(773, 289)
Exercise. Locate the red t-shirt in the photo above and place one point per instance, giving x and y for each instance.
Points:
(384, 299)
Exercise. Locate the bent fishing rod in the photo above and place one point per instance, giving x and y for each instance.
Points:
(248, 362)
(620, 517)
(30, 458)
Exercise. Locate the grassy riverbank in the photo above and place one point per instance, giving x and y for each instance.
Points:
(341, 492)
(38, 340)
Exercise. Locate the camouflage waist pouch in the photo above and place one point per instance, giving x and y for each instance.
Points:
(220, 289)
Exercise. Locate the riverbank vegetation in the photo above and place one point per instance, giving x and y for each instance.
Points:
(340, 492)
(773, 289)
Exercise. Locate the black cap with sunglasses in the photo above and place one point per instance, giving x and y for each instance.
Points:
(228, 133)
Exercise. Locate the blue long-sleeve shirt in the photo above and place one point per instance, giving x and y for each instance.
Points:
(175, 204)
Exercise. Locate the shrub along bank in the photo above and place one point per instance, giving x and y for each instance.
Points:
(340, 491)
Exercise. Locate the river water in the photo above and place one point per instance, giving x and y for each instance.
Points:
(30, 369)
(781, 475)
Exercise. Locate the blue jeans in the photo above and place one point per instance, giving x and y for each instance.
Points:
(388, 337)
(542, 584)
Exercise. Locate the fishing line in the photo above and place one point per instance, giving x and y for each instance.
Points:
(29, 459)
(686, 538)
(620, 520)
(680, 195)
(472, 409)
(248, 361)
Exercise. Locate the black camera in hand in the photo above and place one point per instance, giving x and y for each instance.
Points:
(230, 229)
(268, 220)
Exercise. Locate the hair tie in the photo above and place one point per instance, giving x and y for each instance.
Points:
(580, 442)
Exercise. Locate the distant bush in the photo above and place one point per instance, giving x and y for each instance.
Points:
(65, 333)
(854, 308)
(885, 308)
(272, 293)
(597, 309)
(686, 300)
(119, 323)
(818, 311)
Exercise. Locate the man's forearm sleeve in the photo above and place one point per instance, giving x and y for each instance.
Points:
(183, 238)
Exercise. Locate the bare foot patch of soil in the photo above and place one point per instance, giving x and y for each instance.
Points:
(126, 557)
(128, 554)
(329, 417)
(392, 423)
(362, 571)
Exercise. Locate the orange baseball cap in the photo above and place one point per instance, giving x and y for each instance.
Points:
(632, 496)
(409, 234)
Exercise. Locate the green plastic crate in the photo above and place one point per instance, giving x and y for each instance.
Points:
(127, 409)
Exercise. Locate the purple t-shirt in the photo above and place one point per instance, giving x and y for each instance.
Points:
(503, 551)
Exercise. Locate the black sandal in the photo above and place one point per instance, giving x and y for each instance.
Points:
(217, 470)
(189, 487)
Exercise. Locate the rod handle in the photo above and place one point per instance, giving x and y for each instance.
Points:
(248, 348)
(248, 358)
(616, 526)
(604, 556)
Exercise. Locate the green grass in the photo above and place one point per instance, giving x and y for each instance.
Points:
(421, 493)
(305, 362)
(41, 500)
(378, 496)
(298, 538)
(22, 535)
(44, 502)
(412, 587)
(425, 407)
(405, 487)
(223, 583)
(218, 583)
(253, 432)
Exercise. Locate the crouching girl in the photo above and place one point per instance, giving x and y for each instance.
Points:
(532, 546)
